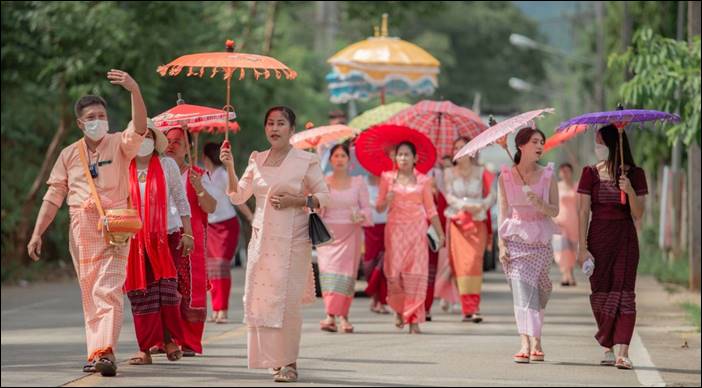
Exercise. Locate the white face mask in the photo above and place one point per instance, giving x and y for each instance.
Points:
(601, 151)
(147, 147)
(96, 129)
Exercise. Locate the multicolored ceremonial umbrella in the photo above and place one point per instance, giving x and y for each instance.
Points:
(315, 136)
(380, 60)
(377, 115)
(373, 148)
(620, 118)
(355, 87)
(229, 63)
(442, 121)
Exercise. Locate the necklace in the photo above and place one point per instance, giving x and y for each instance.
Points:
(142, 176)
(276, 162)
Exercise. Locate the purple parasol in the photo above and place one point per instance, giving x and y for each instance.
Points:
(620, 118)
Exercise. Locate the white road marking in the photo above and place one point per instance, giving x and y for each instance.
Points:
(649, 376)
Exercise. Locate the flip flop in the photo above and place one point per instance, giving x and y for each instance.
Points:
(141, 359)
(609, 359)
(287, 374)
(173, 352)
(330, 327)
(521, 358)
(536, 356)
(624, 363)
(89, 367)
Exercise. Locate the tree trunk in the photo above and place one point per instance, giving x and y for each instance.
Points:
(270, 27)
(601, 61)
(24, 228)
(246, 34)
(676, 160)
(693, 171)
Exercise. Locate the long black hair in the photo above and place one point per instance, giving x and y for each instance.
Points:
(211, 151)
(523, 137)
(610, 137)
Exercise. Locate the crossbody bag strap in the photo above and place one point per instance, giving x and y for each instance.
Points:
(84, 159)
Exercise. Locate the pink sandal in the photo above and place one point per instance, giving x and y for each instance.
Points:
(521, 358)
(330, 327)
(537, 356)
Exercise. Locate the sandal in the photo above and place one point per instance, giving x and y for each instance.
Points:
(141, 358)
(326, 326)
(536, 356)
(89, 367)
(287, 374)
(188, 352)
(173, 352)
(399, 322)
(414, 329)
(106, 367)
(521, 358)
(609, 359)
(346, 327)
(382, 310)
(156, 350)
(624, 363)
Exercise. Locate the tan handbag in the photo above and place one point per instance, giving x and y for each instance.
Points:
(117, 225)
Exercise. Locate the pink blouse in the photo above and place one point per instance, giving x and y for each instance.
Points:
(522, 219)
(343, 203)
(412, 203)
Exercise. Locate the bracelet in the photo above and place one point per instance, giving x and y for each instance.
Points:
(188, 235)
(201, 194)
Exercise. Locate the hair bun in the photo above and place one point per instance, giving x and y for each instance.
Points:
(309, 125)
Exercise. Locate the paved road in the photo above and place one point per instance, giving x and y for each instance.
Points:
(43, 345)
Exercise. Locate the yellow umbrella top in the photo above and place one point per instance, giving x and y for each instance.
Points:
(383, 58)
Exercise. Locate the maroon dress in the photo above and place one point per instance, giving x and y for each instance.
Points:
(613, 242)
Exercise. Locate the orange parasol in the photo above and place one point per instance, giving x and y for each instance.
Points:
(229, 63)
(561, 137)
(313, 137)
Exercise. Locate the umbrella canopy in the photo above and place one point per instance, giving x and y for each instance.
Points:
(561, 137)
(227, 62)
(382, 59)
(355, 87)
(377, 115)
(373, 148)
(620, 118)
(442, 121)
(196, 118)
(500, 130)
(313, 137)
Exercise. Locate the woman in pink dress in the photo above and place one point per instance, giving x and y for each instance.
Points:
(279, 276)
(408, 194)
(345, 215)
(528, 202)
(565, 245)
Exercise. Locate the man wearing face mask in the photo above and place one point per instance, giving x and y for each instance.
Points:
(100, 266)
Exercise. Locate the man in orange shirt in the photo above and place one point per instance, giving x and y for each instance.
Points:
(100, 266)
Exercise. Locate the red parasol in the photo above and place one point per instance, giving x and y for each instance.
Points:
(373, 148)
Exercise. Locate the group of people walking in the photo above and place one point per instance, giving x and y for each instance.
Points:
(190, 234)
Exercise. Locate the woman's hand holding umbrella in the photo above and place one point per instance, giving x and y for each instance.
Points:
(225, 155)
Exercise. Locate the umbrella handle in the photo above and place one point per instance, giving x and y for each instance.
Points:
(622, 195)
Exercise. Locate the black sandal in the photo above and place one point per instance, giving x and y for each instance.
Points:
(89, 367)
(106, 367)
